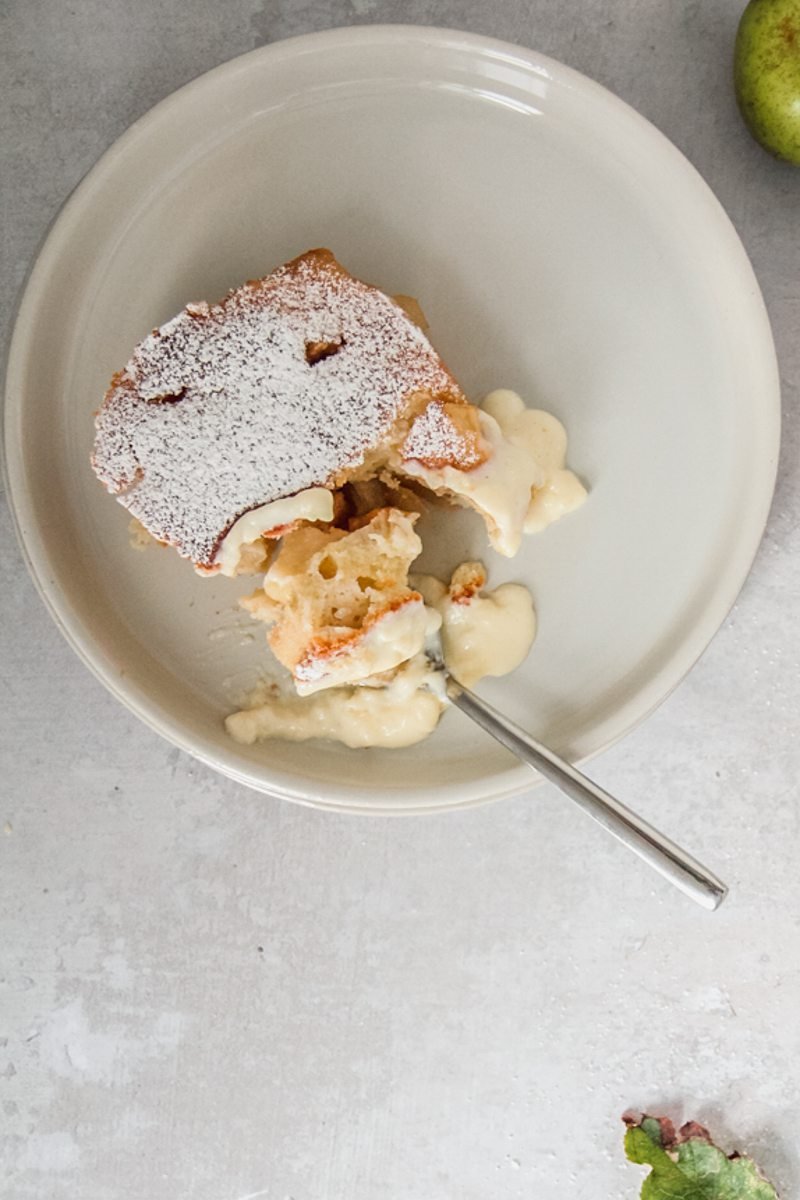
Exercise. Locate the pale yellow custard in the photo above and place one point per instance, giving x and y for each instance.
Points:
(399, 714)
(313, 504)
(524, 485)
(393, 698)
(482, 634)
(556, 491)
(485, 633)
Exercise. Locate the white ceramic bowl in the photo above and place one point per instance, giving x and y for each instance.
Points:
(559, 245)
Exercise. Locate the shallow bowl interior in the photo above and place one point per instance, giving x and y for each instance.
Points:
(559, 245)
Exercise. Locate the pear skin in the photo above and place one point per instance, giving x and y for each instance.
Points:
(767, 75)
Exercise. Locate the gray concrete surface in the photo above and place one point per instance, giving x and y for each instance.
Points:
(211, 995)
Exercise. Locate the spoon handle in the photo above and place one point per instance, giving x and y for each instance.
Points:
(662, 854)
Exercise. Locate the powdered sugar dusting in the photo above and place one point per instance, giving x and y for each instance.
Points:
(435, 439)
(219, 410)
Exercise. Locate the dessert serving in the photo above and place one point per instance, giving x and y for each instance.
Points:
(297, 430)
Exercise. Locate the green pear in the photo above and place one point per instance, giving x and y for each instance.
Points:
(767, 74)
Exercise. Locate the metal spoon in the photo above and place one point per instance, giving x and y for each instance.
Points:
(657, 850)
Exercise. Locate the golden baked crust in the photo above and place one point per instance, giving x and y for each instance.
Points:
(306, 377)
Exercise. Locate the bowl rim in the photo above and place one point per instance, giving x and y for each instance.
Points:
(22, 341)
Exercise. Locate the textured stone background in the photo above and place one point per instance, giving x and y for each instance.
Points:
(210, 995)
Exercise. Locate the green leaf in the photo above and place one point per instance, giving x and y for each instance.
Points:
(688, 1166)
